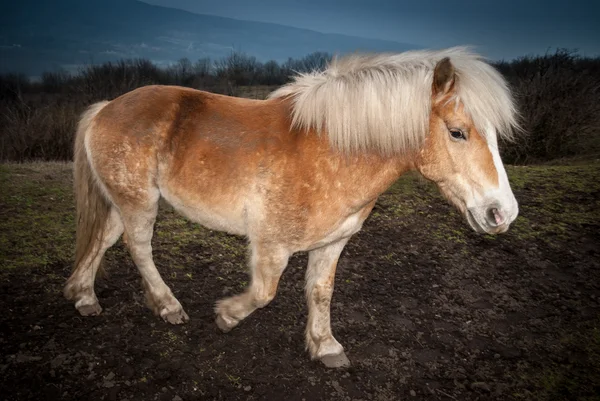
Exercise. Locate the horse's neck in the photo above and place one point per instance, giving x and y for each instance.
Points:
(373, 176)
(362, 177)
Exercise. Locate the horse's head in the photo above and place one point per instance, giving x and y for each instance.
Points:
(463, 161)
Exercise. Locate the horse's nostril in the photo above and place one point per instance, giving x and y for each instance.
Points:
(494, 216)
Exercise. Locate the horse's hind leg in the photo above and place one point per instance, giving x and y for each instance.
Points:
(320, 277)
(139, 224)
(80, 286)
(267, 263)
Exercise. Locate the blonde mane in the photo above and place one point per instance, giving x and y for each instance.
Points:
(383, 101)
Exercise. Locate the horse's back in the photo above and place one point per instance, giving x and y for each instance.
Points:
(168, 115)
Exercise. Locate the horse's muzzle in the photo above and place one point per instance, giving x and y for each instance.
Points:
(490, 219)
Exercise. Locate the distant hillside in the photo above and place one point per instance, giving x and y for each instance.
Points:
(57, 34)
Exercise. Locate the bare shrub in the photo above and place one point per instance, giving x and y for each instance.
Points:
(56, 81)
(310, 62)
(272, 74)
(12, 87)
(558, 95)
(44, 133)
(110, 80)
(238, 69)
(559, 99)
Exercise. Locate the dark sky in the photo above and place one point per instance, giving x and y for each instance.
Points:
(498, 29)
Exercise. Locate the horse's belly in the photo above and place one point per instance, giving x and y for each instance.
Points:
(225, 216)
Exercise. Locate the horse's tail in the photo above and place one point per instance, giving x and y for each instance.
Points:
(92, 206)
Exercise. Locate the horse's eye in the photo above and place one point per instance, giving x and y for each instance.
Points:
(457, 134)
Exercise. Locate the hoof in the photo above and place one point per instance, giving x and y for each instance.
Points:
(90, 310)
(177, 317)
(336, 361)
(225, 325)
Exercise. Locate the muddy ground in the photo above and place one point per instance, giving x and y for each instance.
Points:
(426, 309)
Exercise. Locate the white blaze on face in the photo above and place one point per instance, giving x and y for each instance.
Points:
(503, 195)
(493, 210)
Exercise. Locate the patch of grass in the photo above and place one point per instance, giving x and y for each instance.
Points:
(234, 380)
(255, 91)
(550, 200)
(412, 183)
(178, 235)
(447, 233)
(37, 225)
(577, 378)
(554, 201)
(171, 337)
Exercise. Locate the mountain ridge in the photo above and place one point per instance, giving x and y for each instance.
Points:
(67, 33)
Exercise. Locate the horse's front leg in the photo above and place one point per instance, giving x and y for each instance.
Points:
(267, 263)
(320, 277)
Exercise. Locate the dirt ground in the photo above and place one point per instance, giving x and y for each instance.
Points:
(426, 309)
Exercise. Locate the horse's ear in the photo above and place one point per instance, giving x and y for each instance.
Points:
(443, 77)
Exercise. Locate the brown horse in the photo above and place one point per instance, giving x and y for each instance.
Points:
(299, 171)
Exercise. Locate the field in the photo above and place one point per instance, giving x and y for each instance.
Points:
(426, 308)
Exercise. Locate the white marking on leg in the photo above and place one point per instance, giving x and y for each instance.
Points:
(139, 226)
(266, 266)
(80, 285)
(320, 277)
